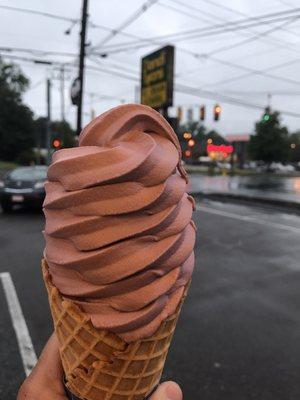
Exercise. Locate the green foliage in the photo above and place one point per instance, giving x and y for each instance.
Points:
(12, 79)
(59, 130)
(271, 141)
(200, 136)
(16, 119)
(63, 131)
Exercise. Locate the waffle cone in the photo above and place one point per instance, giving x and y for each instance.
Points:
(98, 364)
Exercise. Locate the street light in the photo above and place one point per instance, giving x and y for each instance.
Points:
(187, 135)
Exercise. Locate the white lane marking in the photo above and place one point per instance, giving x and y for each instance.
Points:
(24, 341)
(248, 219)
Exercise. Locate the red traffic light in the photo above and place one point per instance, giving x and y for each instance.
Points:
(56, 143)
(217, 112)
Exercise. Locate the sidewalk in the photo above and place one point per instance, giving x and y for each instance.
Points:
(282, 192)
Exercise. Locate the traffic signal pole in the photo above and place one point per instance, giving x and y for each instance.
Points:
(48, 131)
(62, 92)
(81, 63)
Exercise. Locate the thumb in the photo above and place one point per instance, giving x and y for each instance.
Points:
(167, 391)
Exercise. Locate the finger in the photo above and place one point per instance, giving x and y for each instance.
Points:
(167, 391)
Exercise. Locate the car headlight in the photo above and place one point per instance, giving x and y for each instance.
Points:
(1, 184)
(39, 185)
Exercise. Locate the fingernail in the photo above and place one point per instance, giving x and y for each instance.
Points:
(173, 392)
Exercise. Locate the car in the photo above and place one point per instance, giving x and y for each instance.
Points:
(23, 186)
(279, 167)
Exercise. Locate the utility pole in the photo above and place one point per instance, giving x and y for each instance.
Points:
(81, 63)
(137, 91)
(92, 112)
(62, 91)
(48, 132)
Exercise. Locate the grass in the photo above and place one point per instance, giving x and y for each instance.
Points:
(240, 172)
(6, 166)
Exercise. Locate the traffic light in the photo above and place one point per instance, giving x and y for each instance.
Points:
(266, 115)
(56, 143)
(202, 113)
(217, 112)
(179, 113)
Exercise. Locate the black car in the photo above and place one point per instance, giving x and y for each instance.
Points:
(23, 186)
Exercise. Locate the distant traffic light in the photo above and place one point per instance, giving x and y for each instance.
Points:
(56, 143)
(266, 115)
(179, 113)
(191, 143)
(217, 112)
(202, 113)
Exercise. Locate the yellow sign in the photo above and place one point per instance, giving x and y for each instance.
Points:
(157, 78)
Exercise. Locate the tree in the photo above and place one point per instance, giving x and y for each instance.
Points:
(59, 129)
(63, 130)
(200, 136)
(16, 119)
(271, 141)
(197, 133)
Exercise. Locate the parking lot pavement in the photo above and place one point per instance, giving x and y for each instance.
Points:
(238, 335)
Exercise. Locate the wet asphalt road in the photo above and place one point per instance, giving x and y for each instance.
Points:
(238, 337)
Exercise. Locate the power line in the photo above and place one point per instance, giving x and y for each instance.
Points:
(113, 65)
(277, 42)
(236, 12)
(192, 91)
(149, 42)
(251, 39)
(111, 72)
(249, 71)
(263, 92)
(227, 99)
(255, 71)
(37, 51)
(31, 60)
(40, 13)
(105, 97)
(285, 3)
(127, 22)
(167, 6)
(230, 26)
(262, 72)
(63, 18)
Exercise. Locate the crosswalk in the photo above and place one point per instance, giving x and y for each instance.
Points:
(26, 348)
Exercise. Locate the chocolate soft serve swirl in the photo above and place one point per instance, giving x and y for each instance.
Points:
(119, 235)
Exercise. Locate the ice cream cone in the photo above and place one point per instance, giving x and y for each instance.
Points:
(98, 364)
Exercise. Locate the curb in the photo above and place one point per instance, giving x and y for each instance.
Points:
(229, 197)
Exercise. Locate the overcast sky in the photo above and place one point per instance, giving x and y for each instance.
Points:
(224, 63)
